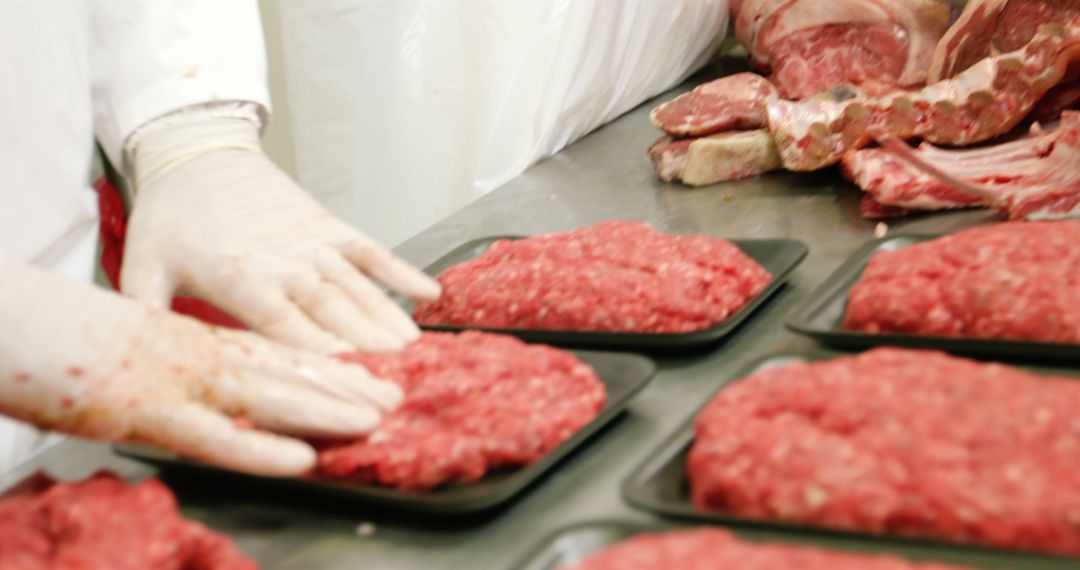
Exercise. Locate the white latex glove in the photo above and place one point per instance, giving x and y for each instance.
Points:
(214, 218)
(78, 359)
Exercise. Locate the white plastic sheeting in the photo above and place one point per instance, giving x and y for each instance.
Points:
(403, 111)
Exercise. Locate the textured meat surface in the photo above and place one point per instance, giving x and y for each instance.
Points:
(104, 522)
(1021, 19)
(611, 276)
(872, 209)
(990, 27)
(869, 56)
(734, 102)
(668, 156)
(985, 101)
(968, 40)
(712, 549)
(473, 402)
(902, 442)
(891, 182)
(1017, 280)
(772, 29)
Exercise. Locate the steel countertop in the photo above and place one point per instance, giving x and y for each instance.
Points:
(605, 175)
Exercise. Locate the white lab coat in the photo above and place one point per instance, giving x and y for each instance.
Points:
(75, 70)
(403, 112)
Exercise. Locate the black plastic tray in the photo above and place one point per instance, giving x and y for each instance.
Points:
(573, 543)
(823, 314)
(778, 256)
(623, 375)
(660, 483)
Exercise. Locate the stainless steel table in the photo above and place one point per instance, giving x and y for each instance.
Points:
(605, 175)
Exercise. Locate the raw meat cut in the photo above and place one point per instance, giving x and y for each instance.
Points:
(725, 155)
(813, 45)
(1010, 281)
(474, 402)
(1036, 176)
(715, 549)
(991, 27)
(104, 522)
(868, 56)
(729, 103)
(611, 276)
(874, 210)
(985, 101)
(901, 442)
(714, 158)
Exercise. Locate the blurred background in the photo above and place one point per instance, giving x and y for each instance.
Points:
(396, 113)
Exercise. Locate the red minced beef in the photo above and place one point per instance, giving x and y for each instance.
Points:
(1017, 280)
(474, 402)
(104, 522)
(901, 442)
(616, 276)
(712, 549)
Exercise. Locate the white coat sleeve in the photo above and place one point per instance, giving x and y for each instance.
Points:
(150, 57)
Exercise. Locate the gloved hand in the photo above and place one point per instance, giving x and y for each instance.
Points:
(77, 359)
(214, 218)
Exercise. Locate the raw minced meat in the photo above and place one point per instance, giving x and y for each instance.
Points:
(473, 402)
(612, 276)
(1017, 280)
(712, 549)
(912, 443)
(104, 522)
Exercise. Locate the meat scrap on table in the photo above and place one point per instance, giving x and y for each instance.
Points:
(898, 442)
(1001, 64)
(712, 548)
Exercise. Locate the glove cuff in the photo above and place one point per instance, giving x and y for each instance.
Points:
(174, 138)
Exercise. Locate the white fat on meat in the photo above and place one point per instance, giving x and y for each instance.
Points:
(987, 28)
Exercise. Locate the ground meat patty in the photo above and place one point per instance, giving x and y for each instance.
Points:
(612, 276)
(1018, 280)
(104, 522)
(473, 402)
(712, 549)
(903, 442)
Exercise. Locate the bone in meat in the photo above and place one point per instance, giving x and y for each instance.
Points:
(984, 101)
(1037, 177)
